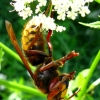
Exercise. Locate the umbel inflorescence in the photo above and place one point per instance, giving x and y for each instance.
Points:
(64, 9)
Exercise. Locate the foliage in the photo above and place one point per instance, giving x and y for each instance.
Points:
(92, 25)
(85, 76)
(1, 56)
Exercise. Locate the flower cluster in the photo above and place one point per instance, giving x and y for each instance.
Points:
(40, 4)
(71, 8)
(64, 8)
(22, 7)
(47, 23)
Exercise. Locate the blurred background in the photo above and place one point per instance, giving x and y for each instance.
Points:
(82, 39)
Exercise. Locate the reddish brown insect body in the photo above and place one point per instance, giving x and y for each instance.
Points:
(46, 77)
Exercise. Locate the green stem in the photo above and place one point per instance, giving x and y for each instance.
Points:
(50, 10)
(21, 87)
(92, 68)
(12, 53)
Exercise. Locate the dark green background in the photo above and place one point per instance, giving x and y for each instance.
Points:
(82, 39)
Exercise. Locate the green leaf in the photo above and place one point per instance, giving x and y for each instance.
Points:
(13, 54)
(80, 79)
(93, 85)
(97, 1)
(87, 97)
(92, 25)
(1, 56)
(92, 68)
(20, 87)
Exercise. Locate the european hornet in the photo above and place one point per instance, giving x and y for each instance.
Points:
(46, 77)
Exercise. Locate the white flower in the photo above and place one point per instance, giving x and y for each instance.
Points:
(2, 76)
(72, 15)
(22, 7)
(89, 0)
(25, 13)
(18, 5)
(47, 23)
(41, 3)
(28, 1)
(64, 8)
(60, 28)
(37, 9)
(71, 8)
(84, 10)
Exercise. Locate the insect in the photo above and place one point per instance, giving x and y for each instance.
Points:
(46, 77)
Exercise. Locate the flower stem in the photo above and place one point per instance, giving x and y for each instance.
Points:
(92, 68)
(12, 53)
(50, 10)
(20, 87)
(9, 51)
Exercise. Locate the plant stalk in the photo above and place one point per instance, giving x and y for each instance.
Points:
(92, 68)
(20, 87)
(13, 54)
